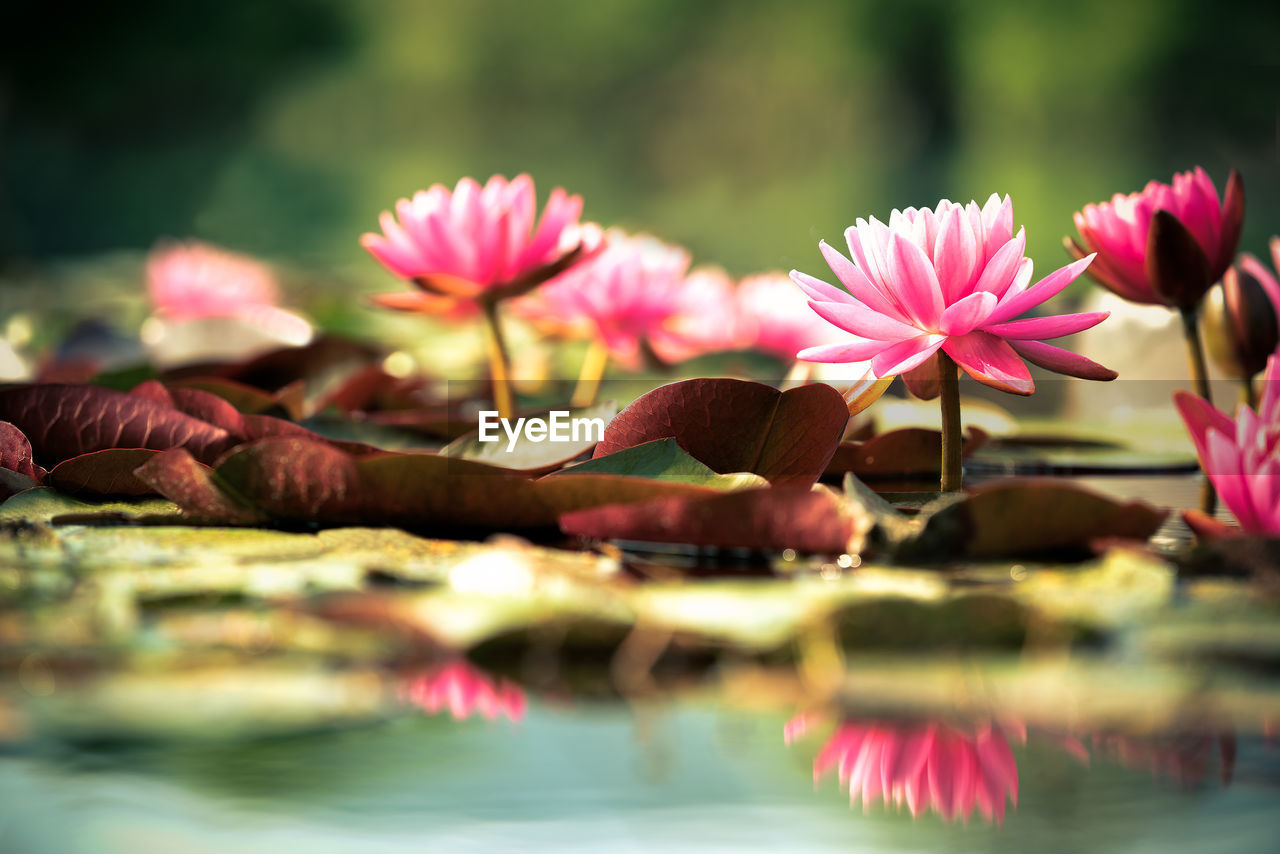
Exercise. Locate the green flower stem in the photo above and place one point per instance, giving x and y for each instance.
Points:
(1195, 352)
(499, 363)
(593, 365)
(952, 472)
(1248, 394)
(1200, 378)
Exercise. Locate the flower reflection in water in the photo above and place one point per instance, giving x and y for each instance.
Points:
(464, 691)
(953, 769)
(1184, 757)
(924, 766)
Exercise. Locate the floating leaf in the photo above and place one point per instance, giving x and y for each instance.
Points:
(770, 519)
(735, 425)
(537, 457)
(303, 480)
(909, 453)
(65, 421)
(102, 473)
(19, 470)
(664, 459)
(286, 403)
(44, 505)
(321, 366)
(1018, 518)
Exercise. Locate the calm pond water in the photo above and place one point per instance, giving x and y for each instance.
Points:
(682, 777)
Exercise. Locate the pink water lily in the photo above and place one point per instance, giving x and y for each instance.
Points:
(1241, 456)
(923, 766)
(476, 243)
(954, 279)
(774, 317)
(191, 280)
(625, 297)
(778, 318)
(1174, 263)
(477, 246)
(195, 288)
(707, 318)
(464, 691)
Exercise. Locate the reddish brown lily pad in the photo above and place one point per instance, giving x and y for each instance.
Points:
(65, 421)
(302, 480)
(19, 469)
(526, 455)
(287, 402)
(738, 426)
(1028, 517)
(909, 453)
(766, 519)
(102, 473)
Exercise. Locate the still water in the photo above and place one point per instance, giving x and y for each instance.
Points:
(688, 776)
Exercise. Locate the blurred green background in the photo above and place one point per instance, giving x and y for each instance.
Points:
(744, 130)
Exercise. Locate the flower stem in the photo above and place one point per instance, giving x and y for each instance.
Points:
(952, 472)
(593, 365)
(1195, 352)
(1200, 377)
(499, 363)
(1247, 393)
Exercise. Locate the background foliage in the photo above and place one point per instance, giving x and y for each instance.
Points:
(746, 130)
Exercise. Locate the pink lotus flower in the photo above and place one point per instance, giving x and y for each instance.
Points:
(465, 691)
(626, 296)
(926, 766)
(1167, 244)
(475, 243)
(955, 279)
(192, 280)
(1241, 457)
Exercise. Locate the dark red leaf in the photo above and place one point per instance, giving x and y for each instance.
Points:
(906, 454)
(735, 425)
(1026, 517)
(108, 472)
(306, 480)
(192, 486)
(770, 519)
(322, 366)
(285, 403)
(20, 470)
(65, 421)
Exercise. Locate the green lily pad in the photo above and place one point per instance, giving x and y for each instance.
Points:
(664, 459)
(536, 457)
(43, 504)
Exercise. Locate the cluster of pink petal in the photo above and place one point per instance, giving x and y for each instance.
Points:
(707, 318)
(1241, 457)
(192, 280)
(628, 292)
(956, 279)
(482, 235)
(926, 766)
(465, 691)
(1117, 231)
(776, 317)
